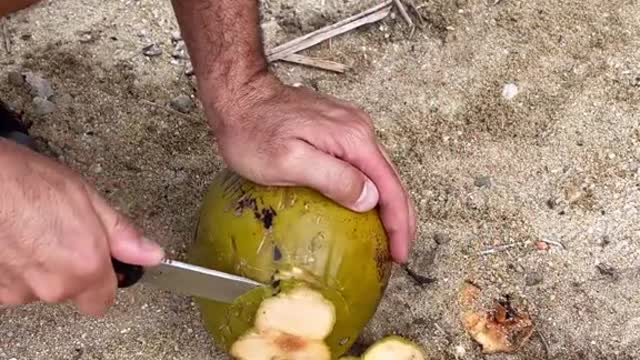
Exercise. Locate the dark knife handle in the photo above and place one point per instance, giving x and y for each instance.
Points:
(127, 274)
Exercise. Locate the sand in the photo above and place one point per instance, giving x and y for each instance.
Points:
(512, 123)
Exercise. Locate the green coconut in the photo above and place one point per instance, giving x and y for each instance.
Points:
(296, 241)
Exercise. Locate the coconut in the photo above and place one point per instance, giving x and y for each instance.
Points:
(325, 269)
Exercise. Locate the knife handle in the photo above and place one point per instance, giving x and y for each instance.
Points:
(127, 274)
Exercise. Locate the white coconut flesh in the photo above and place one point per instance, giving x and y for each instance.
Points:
(394, 349)
(289, 326)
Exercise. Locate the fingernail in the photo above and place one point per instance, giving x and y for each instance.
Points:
(368, 198)
(153, 248)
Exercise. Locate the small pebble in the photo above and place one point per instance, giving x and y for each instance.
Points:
(482, 181)
(152, 50)
(606, 269)
(15, 78)
(42, 106)
(634, 166)
(96, 168)
(573, 194)
(509, 91)
(553, 202)
(541, 245)
(441, 238)
(63, 101)
(176, 36)
(86, 38)
(180, 52)
(460, 351)
(604, 241)
(182, 103)
(533, 278)
(188, 70)
(39, 87)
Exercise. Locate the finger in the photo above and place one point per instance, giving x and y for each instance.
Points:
(96, 300)
(13, 289)
(17, 295)
(331, 176)
(410, 204)
(393, 198)
(125, 241)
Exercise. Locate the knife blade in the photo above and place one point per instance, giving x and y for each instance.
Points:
(186, 279)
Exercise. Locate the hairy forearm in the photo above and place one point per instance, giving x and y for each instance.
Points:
(224, 42)
(9, 6)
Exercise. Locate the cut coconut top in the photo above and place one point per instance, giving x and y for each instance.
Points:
(302, 312)
(394, 348)
(289, 326)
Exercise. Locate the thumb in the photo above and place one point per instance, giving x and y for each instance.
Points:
(333, 177)
(126, 242)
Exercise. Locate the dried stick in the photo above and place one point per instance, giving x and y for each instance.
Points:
(6, 39)
(315, 62)
(167, 109)
(551, 242)
(501, 248)
(543, 340)
(371, 15)
(403, 12)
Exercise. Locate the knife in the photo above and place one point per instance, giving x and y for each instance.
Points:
(186, 279)
(176, 276)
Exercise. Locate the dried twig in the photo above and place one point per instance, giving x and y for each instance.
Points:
(501, 248)
(544, 343)
(166, 108)
(6, 38)
(403, 12)
(371, 15)
(315, 62)
(418, 14)
(556, 243)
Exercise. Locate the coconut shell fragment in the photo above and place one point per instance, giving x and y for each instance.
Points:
(500, 329)
(391, 348)
(394, 348)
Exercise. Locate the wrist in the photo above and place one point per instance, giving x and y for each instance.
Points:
(225, 99)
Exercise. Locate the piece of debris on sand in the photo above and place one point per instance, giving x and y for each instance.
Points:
(500, 329)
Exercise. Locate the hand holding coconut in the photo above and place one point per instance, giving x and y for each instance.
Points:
(278, 135)
(57, 235)
(275, 134)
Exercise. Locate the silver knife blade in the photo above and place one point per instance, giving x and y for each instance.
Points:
(193, 280)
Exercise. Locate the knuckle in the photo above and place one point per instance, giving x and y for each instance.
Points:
(288, 155)
(53, 294)
(90, 266)
(13, 298)
(351, 188)
(361, 131)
